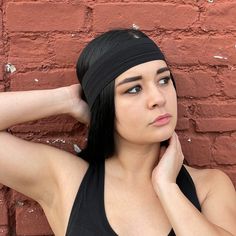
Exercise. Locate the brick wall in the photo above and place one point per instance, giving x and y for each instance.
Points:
(43, 39)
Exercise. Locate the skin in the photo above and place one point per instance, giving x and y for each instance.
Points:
(141, 195)
(142, 101)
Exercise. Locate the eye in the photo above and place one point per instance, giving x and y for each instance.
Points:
(134, 90)
(164, 80)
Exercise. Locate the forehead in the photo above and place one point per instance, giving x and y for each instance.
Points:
(147, 68)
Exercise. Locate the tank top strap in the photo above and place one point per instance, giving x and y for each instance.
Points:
(85, 213)
(186, 185)
(88, 215)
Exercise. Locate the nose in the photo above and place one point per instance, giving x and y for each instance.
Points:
(155, 98)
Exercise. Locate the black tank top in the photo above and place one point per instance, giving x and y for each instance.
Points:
(88, 217)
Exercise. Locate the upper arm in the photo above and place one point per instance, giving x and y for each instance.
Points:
(33, 169)
(220, 204)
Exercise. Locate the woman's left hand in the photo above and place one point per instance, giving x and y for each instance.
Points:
(171, 160)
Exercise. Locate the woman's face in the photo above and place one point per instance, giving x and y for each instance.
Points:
(142, 94)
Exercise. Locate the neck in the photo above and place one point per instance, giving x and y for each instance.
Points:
(134, 161)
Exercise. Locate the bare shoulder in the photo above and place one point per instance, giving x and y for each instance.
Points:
(215, 188)
(202, 181)
(208, 180)
(208, 177)
(202, 175)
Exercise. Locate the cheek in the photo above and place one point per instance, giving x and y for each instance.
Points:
(127, 117)
(126, 113)
(172, 100)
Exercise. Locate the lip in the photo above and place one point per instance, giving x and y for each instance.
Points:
(162, 120)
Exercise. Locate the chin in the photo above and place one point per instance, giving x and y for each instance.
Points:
(165, 135)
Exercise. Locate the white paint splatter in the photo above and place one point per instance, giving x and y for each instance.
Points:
(9, 68)
(59, 141)
(189, 140)
(3, 230)
(220, 57)
(19, 203)
(135, 27)
(77, 148)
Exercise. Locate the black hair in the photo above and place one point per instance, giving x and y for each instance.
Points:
(100, 144)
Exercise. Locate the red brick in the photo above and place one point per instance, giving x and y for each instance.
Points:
(2, 62)
(67, 50)
(216, 125)
(4, 231)
(19, 198)
(28, 216)
(146, 15)
(1, 47)
(196, 150)
(3, 210)
(219, 17)
(224, 150)
(194, 50)
(1, 29)
(228, 79)
(182, 110)
(29, 52)
(2, 87)
(220, 109)
(182, 124)
(45, 16)
(43, 79)
(52, 124)
(183, 121)
(40, 128)
(195, 84)
(54, 138)
(65, 143)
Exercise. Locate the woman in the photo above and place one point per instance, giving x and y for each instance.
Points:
(130, 179)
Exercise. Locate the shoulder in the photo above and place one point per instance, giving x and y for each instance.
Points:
(217, 197)
(210, 177)
(208, 180)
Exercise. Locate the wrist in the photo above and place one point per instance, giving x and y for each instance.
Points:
(63, 98)
(165, 189)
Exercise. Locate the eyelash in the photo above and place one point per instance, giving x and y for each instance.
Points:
(167, 79)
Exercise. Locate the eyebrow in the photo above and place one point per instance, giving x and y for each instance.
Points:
(139, 77)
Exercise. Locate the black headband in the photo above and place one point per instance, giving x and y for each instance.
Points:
(117, 61)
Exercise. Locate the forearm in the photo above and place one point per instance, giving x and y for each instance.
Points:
(23, 106)
(185, 219)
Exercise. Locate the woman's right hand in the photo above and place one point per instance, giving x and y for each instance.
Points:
(79, 109)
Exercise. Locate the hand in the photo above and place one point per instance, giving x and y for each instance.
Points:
(79, 108)
(171, 160)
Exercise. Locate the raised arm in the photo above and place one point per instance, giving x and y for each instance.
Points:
(32, 168)
(23, 106)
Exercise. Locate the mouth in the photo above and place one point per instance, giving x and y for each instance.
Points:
(162, 120)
